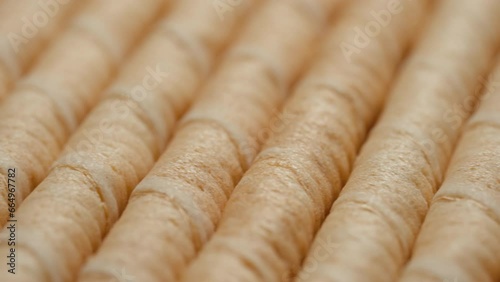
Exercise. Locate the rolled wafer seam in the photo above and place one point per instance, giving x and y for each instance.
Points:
(458, 85)
(182, 203)
(410, 139)
(108, 268)
(68, 109)
(46, 80)
(75, 215)
(271, 199)
(465, 248)
(28, 25)
(25, 29)
(482, 248)
(247, 53)
(39, 81)
(10, 66)
(230, 82)
(101, 29)
(125, 140)
(209, 147)
(44, 140)
(246, 49)
(113, 36)
(182, 193)
(186, 203)
(199, 51)
(53, 110)
(175, 106)
(153, 120)
(255, 34)
(171, 107)
(124, 171)
(320, 10)
(403, 162)
(37, 253)
(183, 33)
(317, 82)
(114, 166)
(5, 80)
(225, 128)
(28, 177)
(182, 20)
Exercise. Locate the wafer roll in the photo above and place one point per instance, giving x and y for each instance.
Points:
(118, 143)
(25, 29)
(370, 231)
(271, 217)
(181, 199)
(459, 240)
(50, 102)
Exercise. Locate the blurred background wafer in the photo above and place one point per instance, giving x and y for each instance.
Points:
(26, 28)
(53, 98)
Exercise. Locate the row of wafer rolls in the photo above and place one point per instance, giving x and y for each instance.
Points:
(66, 217)
(373, 224)
(26, 27)
(48, 104)
(179, 203)
(460, 237)
(274, 211)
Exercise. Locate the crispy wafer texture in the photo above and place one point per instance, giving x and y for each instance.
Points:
(180, 201)
(459, 240)
(272, 215)
(49, 103)
(25, 29)
(374, 222)
(88, 186)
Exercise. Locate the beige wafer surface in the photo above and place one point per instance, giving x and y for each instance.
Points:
(49, 103)
(25, 29)
(272, 215)
(180, 201)
(460, 237)
(374, 222)
(88, 186)
(251, 187)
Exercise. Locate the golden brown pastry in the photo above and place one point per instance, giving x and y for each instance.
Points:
(460, 237)
(273, 213)
(370, 231)
(180, 201)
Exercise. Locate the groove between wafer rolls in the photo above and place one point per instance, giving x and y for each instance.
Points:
(185, 192)
(50, 101)
(374, 222)
(25, 29)
(88, 186)
(459, 239)
(270, 219)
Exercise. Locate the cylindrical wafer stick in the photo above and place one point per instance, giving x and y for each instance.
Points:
(272, 215)
(49, 103)
(180, 201)
(460, 237)
(25, 28)
(374, 222)
(69, 213)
